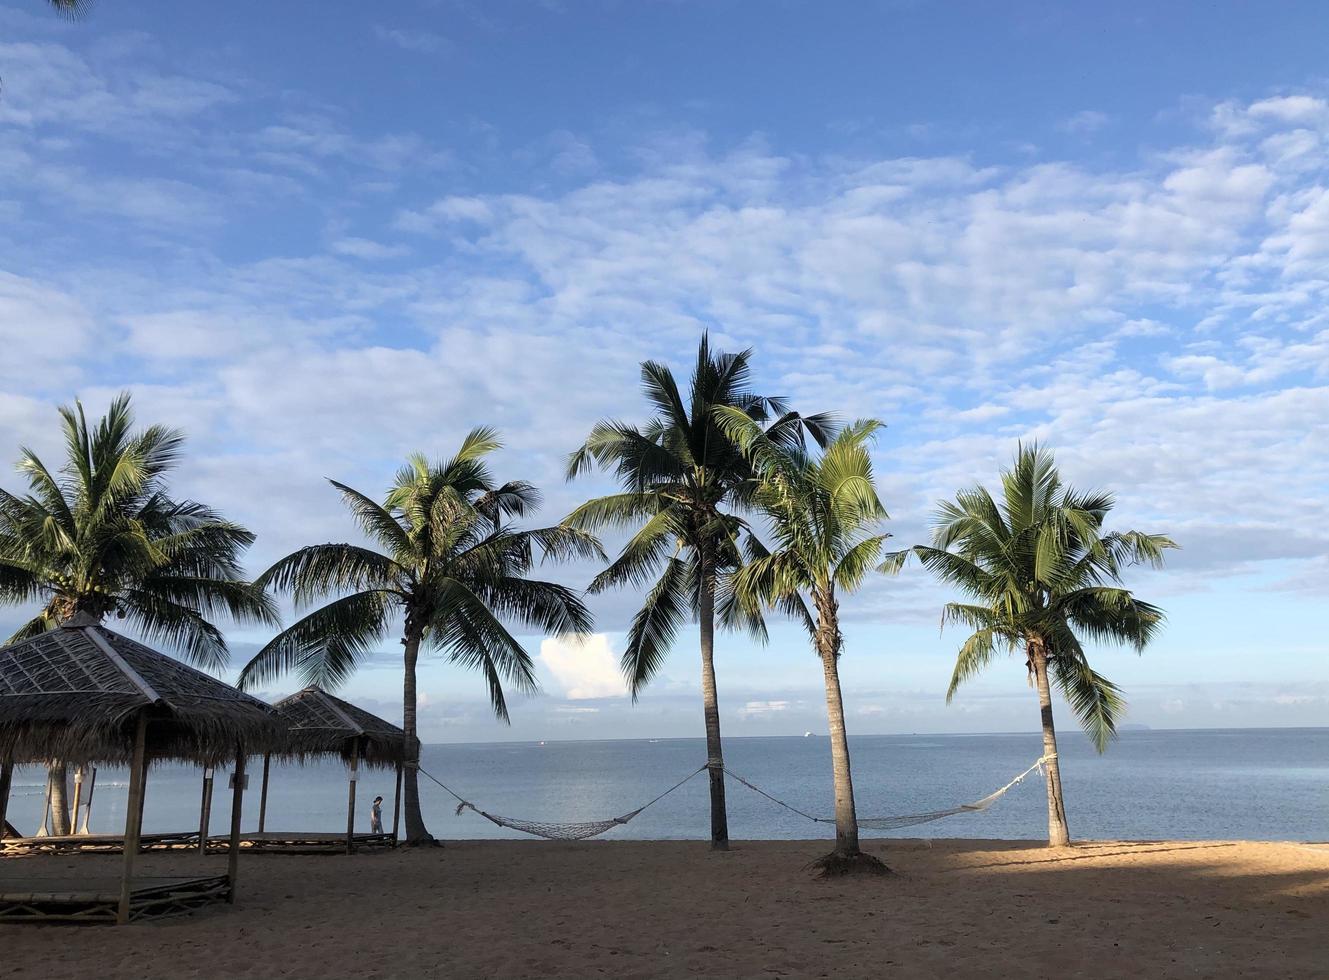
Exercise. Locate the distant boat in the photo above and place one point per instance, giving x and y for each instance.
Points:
(807, 734)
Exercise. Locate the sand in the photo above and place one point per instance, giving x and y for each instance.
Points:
(673, 909)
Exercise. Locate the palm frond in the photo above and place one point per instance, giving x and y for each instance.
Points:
(564, 543)
(637, 563)
(374, 519)
(1096, 701)
(975, 654)
(655, 626)
(547, 606)
(858, 561)
(612, 511)
(243, 602)
(176, 625)
(326, 646)
(320, 569)
(473, 637)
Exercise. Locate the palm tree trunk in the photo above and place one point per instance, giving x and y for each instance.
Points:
(711, 709)
(1059, 834)
(416, 832)
(846, 817)
(58, 777)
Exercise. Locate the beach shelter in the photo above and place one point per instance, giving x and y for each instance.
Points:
(84, 694)
(319, 724)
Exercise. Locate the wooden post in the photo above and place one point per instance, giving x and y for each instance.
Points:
(133, 817)
(350, 801)
(78, 800)
(237, 804)
(6, 780)
(87, 806)
(46, 810)
(205, 811)
(396, 806)
(142, 800)
(263, 795)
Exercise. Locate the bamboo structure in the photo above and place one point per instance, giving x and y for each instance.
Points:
(84, 694)
(319, 724)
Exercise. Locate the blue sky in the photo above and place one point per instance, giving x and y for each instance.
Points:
(318, 243)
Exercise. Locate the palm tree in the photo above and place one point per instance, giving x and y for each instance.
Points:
(822, 512)
(1043, 574)
(105, 537)
(452, 567)
(678, 473)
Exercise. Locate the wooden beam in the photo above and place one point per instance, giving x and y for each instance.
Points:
(133, 816)
(396, 806)
(6, 780)
(263, 795)
(350, 801)
(205, 811)
(237, 807)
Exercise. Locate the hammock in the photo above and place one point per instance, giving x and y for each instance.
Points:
(559, 831)
(908, 819)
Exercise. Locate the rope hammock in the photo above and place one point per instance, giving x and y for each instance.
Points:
(908, 819)
(559, 831)
(581, 830)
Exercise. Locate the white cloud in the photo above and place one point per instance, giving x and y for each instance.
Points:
(444, 211)
(761, 709)
(584, 669)
(421, 42)
(43, 332)
(1086, 122)
(364, 248)
(1296, 109)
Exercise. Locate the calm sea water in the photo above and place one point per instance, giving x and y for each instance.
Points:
(1259, 784)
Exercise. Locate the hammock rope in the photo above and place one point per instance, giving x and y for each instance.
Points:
(581, 830)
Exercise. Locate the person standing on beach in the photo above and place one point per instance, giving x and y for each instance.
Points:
(376, 816)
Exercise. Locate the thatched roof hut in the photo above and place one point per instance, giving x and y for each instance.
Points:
(317, 723)
(83, 694)
(320, 724)
(76, 693)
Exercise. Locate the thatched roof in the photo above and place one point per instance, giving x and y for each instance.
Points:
(75, 694)
(319, 724)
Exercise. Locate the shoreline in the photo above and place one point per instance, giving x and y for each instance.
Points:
(674, 908)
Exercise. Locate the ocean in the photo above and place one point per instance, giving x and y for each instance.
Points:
(1255, 784)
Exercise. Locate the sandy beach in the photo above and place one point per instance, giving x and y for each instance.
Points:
(666, 909)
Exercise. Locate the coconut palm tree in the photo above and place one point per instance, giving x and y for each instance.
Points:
(104, 537)
(679, 475)
(1043, 576)
(450, 568)
(823, 512)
